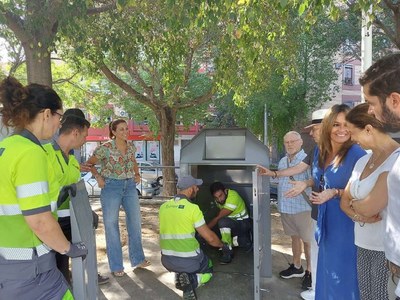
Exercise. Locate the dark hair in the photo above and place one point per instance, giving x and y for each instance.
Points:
(325, 143)
(216, 186)
(359, 117)
(71, 122)
(22, 104)
(76, 112)
(383, 77)
(113, 126)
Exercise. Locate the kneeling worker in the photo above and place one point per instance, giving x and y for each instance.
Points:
(180, 251)
(233, 219)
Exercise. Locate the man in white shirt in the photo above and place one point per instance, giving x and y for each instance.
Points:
(381, 87)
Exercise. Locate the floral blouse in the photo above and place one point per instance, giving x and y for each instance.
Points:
(113, 163)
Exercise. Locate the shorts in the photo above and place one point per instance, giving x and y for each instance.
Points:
(299, 224)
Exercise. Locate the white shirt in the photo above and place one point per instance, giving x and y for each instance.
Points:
(370, 235)
(392, 221)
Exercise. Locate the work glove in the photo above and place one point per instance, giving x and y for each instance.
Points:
(77, 250)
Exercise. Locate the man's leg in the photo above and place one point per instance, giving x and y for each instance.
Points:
(296, 250)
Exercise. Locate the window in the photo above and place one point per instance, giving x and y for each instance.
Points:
(348, 75)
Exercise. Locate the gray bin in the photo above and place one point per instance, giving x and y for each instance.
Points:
(230, 156)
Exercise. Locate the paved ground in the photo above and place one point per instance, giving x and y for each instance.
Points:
(233, 281)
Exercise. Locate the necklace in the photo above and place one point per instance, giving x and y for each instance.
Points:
(373, 161)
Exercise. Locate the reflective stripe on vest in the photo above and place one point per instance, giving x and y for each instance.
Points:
(32, 189)
(176, 236)
(180, 254)
(240, 216)
(63, 213)
(23, 253)
(13, 209)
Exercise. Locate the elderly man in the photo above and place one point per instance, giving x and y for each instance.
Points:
(316, 119)
(180, 251)
(295, 211)
(381, 86)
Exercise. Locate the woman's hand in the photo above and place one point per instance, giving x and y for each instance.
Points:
(372, 219)
(137, 178)
(100, 181)
(297, 188)
(322, 197)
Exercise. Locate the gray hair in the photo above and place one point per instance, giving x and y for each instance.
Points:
(295, 133)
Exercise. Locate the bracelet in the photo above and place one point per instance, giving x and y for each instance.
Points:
(275, 175)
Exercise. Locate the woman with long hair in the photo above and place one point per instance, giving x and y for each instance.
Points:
(117, 179)
(333, 163)
(28, 196)
(369, 176)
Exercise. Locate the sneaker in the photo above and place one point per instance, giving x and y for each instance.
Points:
(186, 286)
(102, 279)
(291, 272)
(308, 295)
(306, 281)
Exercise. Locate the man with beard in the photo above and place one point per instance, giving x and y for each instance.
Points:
(180, 251)
(381, 87)
(233, 220)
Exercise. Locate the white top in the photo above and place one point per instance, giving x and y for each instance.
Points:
(391, 240)
(369, 236)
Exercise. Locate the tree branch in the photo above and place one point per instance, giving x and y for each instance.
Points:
(133, 72)
(62, 80)
(15, 23)
(126, 87)
(196, 101)
(389, 33)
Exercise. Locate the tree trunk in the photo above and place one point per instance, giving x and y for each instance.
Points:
(167, 120)
(38, 64)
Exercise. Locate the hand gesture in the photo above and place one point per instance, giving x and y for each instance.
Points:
(297, 188)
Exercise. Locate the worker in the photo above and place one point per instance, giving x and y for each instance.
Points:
(30, 234)
(72, 135)
(233, 219)
(180, 251)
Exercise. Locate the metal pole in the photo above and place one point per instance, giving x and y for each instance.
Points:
(366, 42)
(265, 125)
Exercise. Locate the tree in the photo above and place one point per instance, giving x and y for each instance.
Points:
(35, 23)
(154, 56)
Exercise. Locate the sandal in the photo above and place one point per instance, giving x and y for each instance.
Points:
(142, 265)
(118, 273)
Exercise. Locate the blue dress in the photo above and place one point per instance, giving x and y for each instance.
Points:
(337, 263)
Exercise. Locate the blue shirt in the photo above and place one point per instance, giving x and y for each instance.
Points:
(296, 204)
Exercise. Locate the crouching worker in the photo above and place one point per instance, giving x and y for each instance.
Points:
(180, 251)
(233, 219)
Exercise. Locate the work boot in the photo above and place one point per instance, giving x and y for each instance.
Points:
(227, 254)
(186, 286)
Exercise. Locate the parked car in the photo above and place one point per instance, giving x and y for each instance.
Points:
(146, 188)
(152, 171)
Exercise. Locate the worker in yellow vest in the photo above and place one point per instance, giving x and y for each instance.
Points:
(30, 234)
(72, 135)
(180, 219)
(233, 220)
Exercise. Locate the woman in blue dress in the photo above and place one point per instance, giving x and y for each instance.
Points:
(333, 163)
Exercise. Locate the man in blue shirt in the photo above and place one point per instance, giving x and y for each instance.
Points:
(295, 211)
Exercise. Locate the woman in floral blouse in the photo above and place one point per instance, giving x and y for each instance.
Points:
(117, 179)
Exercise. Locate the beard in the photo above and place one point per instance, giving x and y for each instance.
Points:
(391, 121)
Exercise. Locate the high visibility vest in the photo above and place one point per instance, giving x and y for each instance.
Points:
(67, 171)
(236, 204)
(27, 187)
(179, 219)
